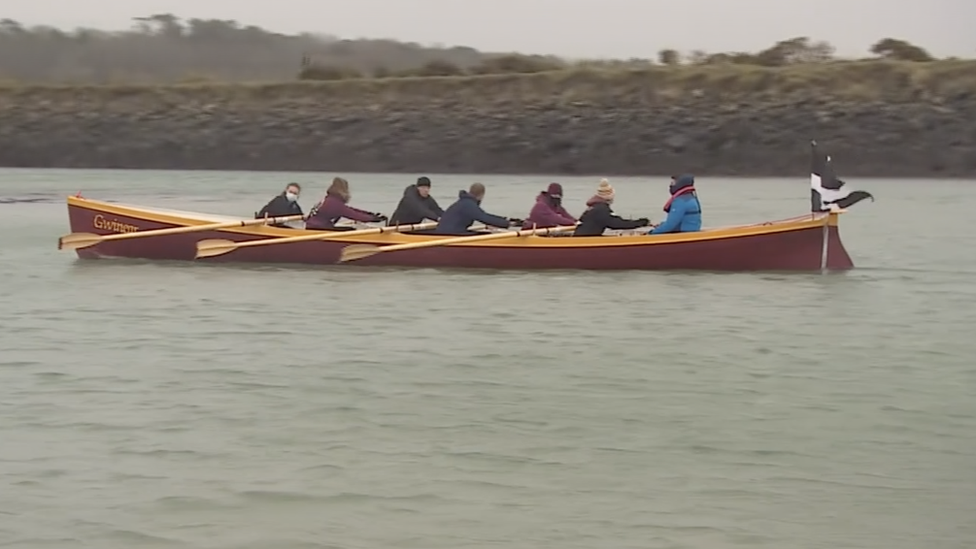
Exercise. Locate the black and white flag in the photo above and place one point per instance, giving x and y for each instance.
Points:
(825, 189)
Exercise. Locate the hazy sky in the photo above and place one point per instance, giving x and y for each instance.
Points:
(574, 28)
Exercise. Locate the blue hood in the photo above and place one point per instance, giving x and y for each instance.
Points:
(681, 182)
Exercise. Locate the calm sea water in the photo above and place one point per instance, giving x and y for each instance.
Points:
(210, 406)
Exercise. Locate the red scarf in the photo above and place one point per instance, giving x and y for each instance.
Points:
(667, 205)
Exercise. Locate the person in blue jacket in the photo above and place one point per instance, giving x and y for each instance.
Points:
(683, 208)
(458, 217)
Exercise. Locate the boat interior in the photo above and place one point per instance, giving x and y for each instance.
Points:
(185, 218)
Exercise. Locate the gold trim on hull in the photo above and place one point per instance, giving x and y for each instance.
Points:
(796, 224)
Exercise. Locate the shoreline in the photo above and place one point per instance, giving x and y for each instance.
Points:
(878, 119)
(432, 174)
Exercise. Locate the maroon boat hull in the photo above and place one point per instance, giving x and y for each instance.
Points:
(796, 245)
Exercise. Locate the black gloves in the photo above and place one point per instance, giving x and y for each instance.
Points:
(380, 217)
(643, 221)
(514, 221)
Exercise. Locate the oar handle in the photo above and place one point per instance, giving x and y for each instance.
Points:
(204, 227)
(323, 235)
(477, 238)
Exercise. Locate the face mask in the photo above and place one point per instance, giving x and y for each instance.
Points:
(291, 197)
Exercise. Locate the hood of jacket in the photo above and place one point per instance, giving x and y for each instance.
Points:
(548, 199)
(465, 195)
(412, 190)
(682, 182)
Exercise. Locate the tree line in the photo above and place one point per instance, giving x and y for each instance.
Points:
(164, 48)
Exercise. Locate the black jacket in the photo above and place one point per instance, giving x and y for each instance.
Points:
(414, 208)
(599, 217)
(279, 207)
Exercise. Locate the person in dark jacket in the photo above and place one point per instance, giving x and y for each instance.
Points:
(683, 208)
(284, 204)
(416, 205)
(548, 210)
(459, 217)
(599, 217)
(334, 206)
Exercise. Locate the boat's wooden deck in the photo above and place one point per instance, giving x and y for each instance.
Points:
(209, 218)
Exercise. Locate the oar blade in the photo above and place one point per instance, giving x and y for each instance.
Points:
(215, 246)
(354, 252)
(78, 241)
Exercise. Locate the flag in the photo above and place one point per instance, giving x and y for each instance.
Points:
(825, 189)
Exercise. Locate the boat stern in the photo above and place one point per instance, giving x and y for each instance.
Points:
(103, 218)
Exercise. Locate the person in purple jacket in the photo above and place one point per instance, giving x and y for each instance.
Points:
(548, 210)
(334, 206)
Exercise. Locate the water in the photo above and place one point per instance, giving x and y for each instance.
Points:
(209, 406)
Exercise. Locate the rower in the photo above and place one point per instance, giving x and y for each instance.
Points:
(599, 216)
(459, 217)
(683, 208)
(285, 204)
(416, 205)
(548, 210)
(334, 206)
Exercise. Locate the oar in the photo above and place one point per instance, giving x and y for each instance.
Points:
(362, 251)
(217, 246)
(76, 241)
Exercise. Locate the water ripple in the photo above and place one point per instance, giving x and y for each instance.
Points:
(148, 405)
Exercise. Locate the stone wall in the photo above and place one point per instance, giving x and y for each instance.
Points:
(878, 119)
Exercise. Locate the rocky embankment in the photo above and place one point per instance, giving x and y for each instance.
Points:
(881, 119)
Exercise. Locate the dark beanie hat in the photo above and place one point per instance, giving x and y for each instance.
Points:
(555, 190)
(423, 181)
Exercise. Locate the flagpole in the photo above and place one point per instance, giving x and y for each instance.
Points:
(835, 211)
(824, 246)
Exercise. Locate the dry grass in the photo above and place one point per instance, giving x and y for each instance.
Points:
(886, 81)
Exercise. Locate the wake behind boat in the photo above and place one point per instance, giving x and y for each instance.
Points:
(809, 242)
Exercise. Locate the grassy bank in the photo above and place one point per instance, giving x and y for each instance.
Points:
(888, 81)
